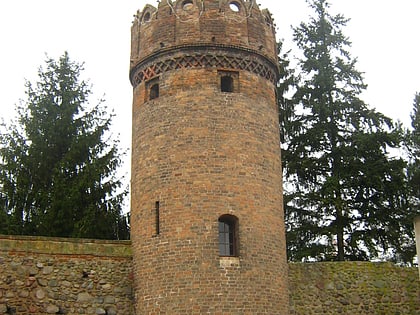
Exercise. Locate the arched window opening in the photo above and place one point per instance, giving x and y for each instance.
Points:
(235, 6)
(229, 81)
(226, 84)
(154, 91)
(187, 5)
(147, 17)
(228, 235)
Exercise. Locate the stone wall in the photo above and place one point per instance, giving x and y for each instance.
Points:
(65, 276)
(353, 288)
(74, 276)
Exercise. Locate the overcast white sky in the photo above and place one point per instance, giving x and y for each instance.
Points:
(385, 36)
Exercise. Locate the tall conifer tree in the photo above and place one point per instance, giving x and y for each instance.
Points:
(58, 165)
(344, 193)
(414, 154)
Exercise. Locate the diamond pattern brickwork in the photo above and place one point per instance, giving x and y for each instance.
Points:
(146, 71)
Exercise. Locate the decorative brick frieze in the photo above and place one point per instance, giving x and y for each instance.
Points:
(207, 219)
(233, 58)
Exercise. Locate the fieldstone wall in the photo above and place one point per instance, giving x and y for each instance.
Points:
(353, 288)
(74, 276)
(65, 276)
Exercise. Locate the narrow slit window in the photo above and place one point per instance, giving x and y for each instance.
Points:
(228, 235)
(157, 217)
(226, 84)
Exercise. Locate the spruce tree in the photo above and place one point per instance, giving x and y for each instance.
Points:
(58, 164)
(414, 155)
(413, 170)
(345, 196)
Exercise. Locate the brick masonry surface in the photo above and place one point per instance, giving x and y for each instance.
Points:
(201, 153)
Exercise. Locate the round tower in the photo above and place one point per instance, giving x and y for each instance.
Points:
(206, 203)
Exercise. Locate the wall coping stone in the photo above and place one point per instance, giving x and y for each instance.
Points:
(18, 244)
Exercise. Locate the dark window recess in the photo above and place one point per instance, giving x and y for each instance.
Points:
(228, 236)
(157, 217)
(187, 4)
(154, 91)
(147, 17)
(226, 84)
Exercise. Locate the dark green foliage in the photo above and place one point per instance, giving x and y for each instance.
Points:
(413, 168)
(345, 196)
(58, 169)
(414, 152)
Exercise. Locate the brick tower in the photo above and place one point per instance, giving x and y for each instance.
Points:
(206, 205)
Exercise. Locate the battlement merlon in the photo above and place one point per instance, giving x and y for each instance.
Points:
(180, 23)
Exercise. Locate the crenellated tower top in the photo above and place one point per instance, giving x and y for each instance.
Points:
(207, 220)
(203, 25)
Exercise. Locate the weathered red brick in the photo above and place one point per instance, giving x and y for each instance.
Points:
(203, 153)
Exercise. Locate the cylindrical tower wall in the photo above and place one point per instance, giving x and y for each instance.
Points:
(206, 145)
